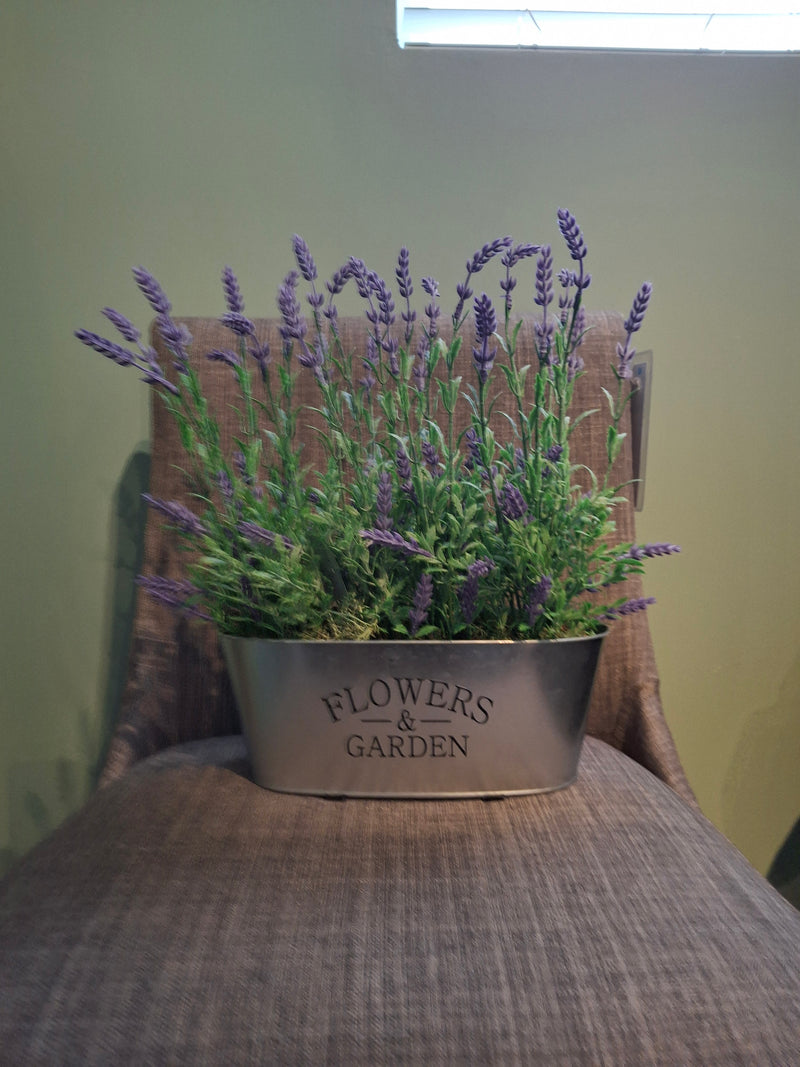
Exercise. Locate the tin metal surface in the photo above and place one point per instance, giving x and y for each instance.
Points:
(421, 719)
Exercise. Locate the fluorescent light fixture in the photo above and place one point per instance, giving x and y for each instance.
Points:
(613, 25)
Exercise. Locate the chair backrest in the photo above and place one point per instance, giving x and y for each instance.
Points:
(177, 688)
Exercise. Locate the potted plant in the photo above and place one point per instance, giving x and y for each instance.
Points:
(436, 592)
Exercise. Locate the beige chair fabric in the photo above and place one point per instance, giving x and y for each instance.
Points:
(178, 689)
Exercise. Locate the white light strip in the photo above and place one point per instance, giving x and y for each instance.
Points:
(732, 31)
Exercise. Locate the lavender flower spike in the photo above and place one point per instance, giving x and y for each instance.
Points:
(485, 325)
(173, 594)
(512, 502)
(294, 325)
(233, 295)
(661, 548)
(571, 233)
(537, 597)
(640, 302)
(485, 254)
(121, 356)
(468, 598)
(224, 355)
(239, 323)
(633, 323)
(178, 514)
(257, 535)
(126, 328)
(154, 294)
(630, 607)
(305, 261)
(408, 546)
(418, 612)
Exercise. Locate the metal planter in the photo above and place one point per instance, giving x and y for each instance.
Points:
(425, 719)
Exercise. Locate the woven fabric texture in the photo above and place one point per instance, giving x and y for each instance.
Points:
(178, 689)
(187, 916)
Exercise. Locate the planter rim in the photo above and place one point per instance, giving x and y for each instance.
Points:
(410, 642)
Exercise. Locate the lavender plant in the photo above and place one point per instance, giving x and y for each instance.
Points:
(412, 527)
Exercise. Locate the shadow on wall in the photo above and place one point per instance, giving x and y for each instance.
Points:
(130, 516)
(784, 872)
(770, 738)
(43, 793)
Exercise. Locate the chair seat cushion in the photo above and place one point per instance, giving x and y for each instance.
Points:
(188, 916)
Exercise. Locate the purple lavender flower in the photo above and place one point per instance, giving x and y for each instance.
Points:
(508, 284)
(518, 253)
(383, 294)
(509, 260)
(338, 281)
(240, 463)
(305, 261)
(257, 535)
(126, 328)
(260, 353)
(294, 325)
(403, 274)
(403, 464)
(408, 546)
(474, 265)
(474, 448)
(177, 514)
(544, 333)
(661, 548)
(177, 339)
(121, 356)
(174, 594)
(544, 329)
(544, 278)
(391, 346)
(468, 598)
(481, 567)
(630, 607)
(312, 360)
(571, 233)
(239, 323)
(468, 593)
(537, 598)
(485, 325)
(224, 355)
(420, 372)
(552, 455)
(512, 502)
(334, 287)
(383, 502)
(225, 485)
(154, 294)
(233, 295)
(357, 270)
(406, 289)
(153, 373)
(432, 459)
(640, 302)
(486, 253)
(403, 468)
(418, 612)
(633, 323)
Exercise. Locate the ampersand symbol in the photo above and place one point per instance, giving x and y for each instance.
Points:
(405, 722)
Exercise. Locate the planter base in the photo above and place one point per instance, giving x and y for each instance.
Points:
(413, 719)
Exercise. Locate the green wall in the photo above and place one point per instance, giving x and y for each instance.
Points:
(192, 134)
